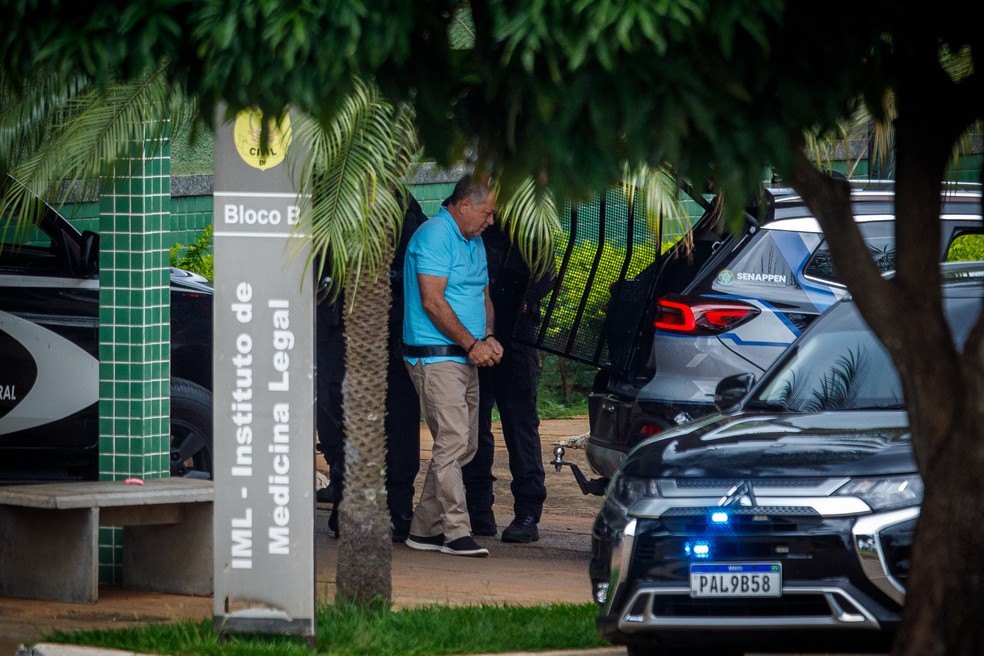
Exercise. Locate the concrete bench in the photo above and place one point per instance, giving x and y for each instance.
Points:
(49, 537)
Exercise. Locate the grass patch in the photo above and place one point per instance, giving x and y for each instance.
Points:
(563, 387)
(346, 630)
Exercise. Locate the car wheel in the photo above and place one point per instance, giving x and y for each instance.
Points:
(191, 430)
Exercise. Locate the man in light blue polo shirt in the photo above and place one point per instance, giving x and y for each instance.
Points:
(447, 333)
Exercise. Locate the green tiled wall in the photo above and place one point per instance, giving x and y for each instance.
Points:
(192, 214)
(134, 328)
(430, 196)
(189, 216)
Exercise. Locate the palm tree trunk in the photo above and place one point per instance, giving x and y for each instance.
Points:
(364, 574)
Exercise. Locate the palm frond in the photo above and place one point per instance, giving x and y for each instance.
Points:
(355, 166)
(530, 214)
(84, 135)
(822, 146)
(530, 219)
(841, 383)
(659, 192)
(875, 136)
(959, 65)
(24, 111)
(461, 32)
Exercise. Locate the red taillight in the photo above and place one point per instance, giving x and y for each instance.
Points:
(725, 317)
(671, 315)
(701, 315)
(650, 429)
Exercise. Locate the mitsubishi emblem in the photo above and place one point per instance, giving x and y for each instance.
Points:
(739, 495)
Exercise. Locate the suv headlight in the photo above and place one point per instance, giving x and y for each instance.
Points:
(885, 492)
(626, 490)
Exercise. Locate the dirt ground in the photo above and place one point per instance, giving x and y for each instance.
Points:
(551, 570)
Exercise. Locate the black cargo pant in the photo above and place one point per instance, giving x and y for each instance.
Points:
(510, 385)
(402, 424)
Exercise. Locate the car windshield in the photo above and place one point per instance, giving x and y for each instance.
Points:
(841, 366)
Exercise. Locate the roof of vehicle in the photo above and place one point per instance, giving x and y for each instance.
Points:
(877, 197)
(885, 187)
(955, 273)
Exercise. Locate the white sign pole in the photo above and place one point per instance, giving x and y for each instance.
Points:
(263, 389)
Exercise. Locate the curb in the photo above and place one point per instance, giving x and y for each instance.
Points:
(54, 649)
(596, 651)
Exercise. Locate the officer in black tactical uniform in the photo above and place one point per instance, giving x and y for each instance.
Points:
(510, 385)
(402, 422)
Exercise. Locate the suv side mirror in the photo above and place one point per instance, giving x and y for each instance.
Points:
(731, 390)
(90, 253)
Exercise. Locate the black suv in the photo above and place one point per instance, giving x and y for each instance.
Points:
(786, 520)
(729, 304)
(49, 349)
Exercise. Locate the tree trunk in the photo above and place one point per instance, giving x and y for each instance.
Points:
(946, 583)
(944, 394)
(944, 390)
(365, 549)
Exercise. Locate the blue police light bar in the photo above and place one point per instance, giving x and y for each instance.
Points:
(719, 517)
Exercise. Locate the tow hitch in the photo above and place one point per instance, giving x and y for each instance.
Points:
(595, 486)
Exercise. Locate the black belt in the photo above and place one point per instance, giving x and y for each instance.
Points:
(415, 351)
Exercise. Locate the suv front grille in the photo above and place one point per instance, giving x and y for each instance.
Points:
(789, 606)
(764, 520)
(821, 607)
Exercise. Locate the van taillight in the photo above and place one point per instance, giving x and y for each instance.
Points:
(701, 315)
(650, 429)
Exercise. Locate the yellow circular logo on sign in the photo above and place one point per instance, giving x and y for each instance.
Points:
(246, 135)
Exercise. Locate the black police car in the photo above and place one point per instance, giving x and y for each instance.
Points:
(49, 349)
(785, 520)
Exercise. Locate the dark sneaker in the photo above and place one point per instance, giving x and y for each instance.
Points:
(401, 527)
(465, 546)
(432, 543)
(522, 530)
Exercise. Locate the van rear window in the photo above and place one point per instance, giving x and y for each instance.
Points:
(769, 263)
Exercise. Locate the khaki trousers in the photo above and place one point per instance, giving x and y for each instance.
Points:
(449, 402)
